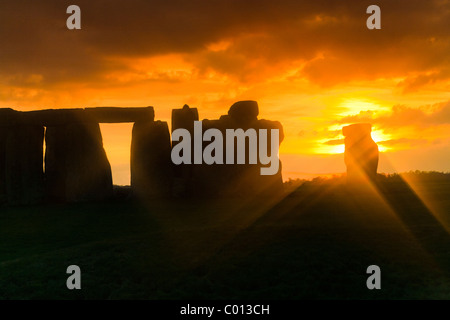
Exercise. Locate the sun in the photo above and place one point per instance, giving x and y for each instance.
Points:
(379, 135)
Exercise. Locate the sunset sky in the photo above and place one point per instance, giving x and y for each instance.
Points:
(312, 65)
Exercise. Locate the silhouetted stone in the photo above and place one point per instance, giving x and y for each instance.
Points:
(54, 117)
(76, 166)
(55, 162)
(9, 117)
(151, 165)
(270, 184)
(21, 152)
(77, 169)
(23, 167)
(236, 179)
(3, 137)
(244, 112)
(246, 179)
(184, 119)
(361, 152)
(57, 117)
(211, 180)
(116, 115)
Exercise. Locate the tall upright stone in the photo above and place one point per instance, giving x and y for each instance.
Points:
(76, 165)
(211, 179)
(55, 162)
(239, 179)
(3, 133)
(5, 123)
(361, 152)
(23, 164)
(183, 184)
(184, 118)
(151, 166)
(270, 184)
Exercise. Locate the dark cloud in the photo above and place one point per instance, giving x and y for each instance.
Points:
(265, 36)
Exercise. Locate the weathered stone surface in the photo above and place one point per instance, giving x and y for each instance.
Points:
(151, 165)
(76, 166)
(361, 152)
(116, 115)
(244, 112)
(23, 169)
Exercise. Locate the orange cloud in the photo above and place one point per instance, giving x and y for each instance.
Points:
(400, 116)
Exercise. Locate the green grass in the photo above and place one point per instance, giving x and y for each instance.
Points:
(315, 243)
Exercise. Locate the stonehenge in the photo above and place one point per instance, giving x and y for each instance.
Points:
(74, 167)
(361, 153)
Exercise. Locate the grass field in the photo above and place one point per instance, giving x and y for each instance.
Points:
(313, 242)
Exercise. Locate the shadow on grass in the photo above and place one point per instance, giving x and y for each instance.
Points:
(315, 242)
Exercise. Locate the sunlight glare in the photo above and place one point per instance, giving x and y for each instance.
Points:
(355, 106)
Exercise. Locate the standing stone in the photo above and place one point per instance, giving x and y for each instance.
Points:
(244, 113)
(246, 179)
(238, 179)
(3, 133)
(9, 117)
(6, 120)
(151, 166)
(270, 184)
(76, 165)
(184, 184)
(23, 164)
(361, 152)
(184, 118)
(211, 180)
(55, 163)
(88, 175)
